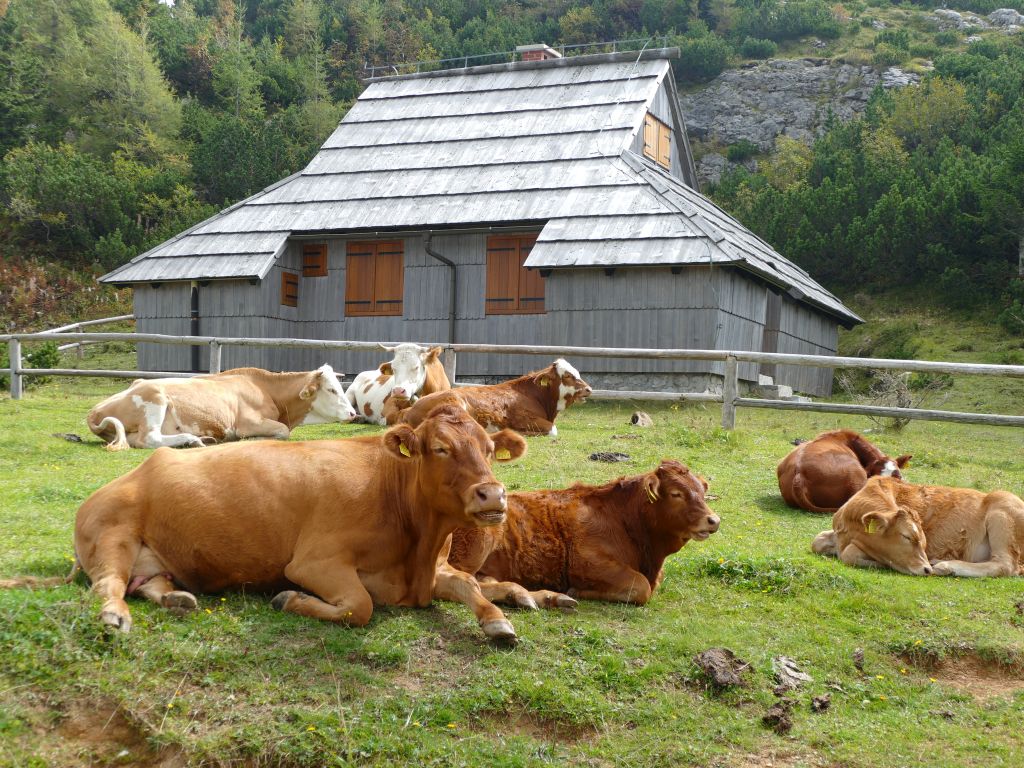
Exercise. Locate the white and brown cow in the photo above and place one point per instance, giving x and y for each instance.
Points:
(336, 525)
(233, 405)
(413, 371)
(529, 404)
(928, 529)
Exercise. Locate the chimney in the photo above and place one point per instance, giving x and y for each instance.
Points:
(537, 52)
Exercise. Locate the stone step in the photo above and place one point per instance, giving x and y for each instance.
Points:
(773, 391)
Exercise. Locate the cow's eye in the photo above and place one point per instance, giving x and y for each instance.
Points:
(908, 537)
(440, 450)
(676, 494)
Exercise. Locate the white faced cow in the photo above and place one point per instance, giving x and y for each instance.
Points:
(413, 371)
(235, 404)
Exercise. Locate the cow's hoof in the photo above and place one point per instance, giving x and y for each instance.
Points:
(500, 631)
(526, 601)
(179, 603)
(564, 602)
(115, 620)
(282, 598)
(942, 568)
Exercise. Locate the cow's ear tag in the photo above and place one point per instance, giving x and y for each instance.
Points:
(871, 527)
(651, 494)
(404, 450)
(544, 381)
(503, 454)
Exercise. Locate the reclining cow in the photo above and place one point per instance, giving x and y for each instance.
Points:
(413, 372)
(928, 529)
(605, 542)
(529, 404)
(351, 523)
(821, 475)
(235, 404)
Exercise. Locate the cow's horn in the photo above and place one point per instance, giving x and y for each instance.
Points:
(386, 348)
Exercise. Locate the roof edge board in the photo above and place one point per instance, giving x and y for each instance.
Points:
(367, 97)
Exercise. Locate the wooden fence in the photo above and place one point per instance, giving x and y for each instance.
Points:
(729, 397)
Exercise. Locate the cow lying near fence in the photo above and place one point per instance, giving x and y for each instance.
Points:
(821, 475)
(605, 542)
(529, 404)
(413, 372)
(353, 523)
(235, 404)
(928, 529)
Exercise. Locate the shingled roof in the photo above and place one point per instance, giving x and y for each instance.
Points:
(545, 142)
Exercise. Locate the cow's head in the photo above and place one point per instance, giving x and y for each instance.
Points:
(408, 368)
(675, 498)
(566, 381)
(887, 467)
(454, 455)
(874, 528)
(329, 403)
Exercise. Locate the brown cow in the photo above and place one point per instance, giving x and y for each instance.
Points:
(528, 404)
(925, 529)
(605, 542)
(350, 522)
(821, 475)
(235, 404)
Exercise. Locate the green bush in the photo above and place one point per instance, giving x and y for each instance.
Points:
(888, 56)
(947, 38)
(1012, 316)
(754, 48)
(40, 356)
(923, 51)
(897, 38)
(741, 150)
(702, 54)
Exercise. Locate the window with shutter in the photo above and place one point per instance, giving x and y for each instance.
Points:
(657, 141)
(374, 278)
(289, 289)
(511, 288)
(314, 260)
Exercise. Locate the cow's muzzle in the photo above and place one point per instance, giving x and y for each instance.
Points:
(487, 504)
(711, 523)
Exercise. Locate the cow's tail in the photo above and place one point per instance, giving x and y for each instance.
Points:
(120, 442)
(39, 581)
(803, 499)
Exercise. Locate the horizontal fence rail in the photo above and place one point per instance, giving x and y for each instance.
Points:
(729, 397)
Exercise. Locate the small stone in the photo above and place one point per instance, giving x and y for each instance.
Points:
(609, 456)
(789, 675)
(858, 659)
(641, 419)
(69, 436)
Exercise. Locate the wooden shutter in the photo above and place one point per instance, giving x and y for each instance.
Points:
(388, 279)
(531, 284)
(289, 289)
(314, 260)
(664, 146)
(374, 279)
(650, 137)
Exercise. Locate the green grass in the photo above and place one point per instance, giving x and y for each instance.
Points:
(609, 685)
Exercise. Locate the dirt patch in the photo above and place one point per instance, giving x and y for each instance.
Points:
(102, 731)
(537, 728)
(773, 758)
(983, 679)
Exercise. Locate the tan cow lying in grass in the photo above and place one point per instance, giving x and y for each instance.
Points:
(529, 404)
(605, 542)
(928, 529)
(351, 523)
(235, 404)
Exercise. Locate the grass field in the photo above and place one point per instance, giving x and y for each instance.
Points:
(240, 684)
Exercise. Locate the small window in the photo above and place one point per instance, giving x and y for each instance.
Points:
(658, 141)
(374, 278)
(512, 289)
(289, 289)
(314, 260)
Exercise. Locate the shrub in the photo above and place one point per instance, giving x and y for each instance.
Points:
(702, 54)
(1012, 316)
(753, 48)
(742, 150)
(897, 38)
(888, 56)
(947, 38)
(923, 51)
(41, 356)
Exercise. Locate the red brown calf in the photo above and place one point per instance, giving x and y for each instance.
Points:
(605, 542)
(821, 475)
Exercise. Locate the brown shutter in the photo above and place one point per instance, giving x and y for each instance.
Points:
(359, 279)
(664, 145)
(289, 289)
(531, 284)
(502, 275)
(314, 260)
(650, 137)
(388, 279)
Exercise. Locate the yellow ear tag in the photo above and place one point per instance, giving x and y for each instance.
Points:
(544, 381)
(651, 494)
(503, 454)
(402, 449)
(872, 526)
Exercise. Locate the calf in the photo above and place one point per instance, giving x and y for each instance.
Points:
(605, 542)
(529, 404)
(414, 371)
(928, 529)
(336, 525)
(235, 404)
(821, 475)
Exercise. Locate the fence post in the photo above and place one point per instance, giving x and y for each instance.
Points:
(215, 356)
(448, 361)
(80, 351)
(730, 391)
(14, 356)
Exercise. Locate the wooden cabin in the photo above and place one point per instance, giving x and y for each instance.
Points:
(550, 201)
